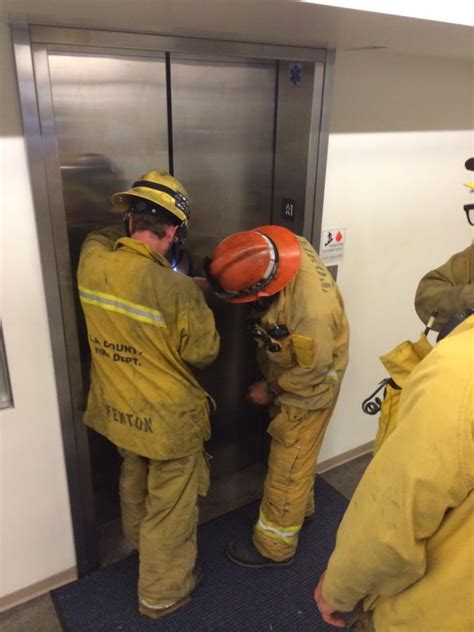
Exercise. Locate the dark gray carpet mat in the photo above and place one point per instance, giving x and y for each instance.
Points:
(229, 598)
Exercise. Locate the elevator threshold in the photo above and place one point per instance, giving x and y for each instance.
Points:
(226, 494)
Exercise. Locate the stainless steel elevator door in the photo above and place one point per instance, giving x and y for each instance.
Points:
(110, 114)
(113, 104)
(98, 100)
(223, 115)
(223, 132)
(111, 123)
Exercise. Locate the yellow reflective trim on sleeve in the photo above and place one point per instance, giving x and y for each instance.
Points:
(288, 534)
(119, 305)
(331, 376)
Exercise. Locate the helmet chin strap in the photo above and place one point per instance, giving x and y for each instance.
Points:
(181, 235)
(126, 222)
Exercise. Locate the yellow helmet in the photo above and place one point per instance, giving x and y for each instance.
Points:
(158, 187)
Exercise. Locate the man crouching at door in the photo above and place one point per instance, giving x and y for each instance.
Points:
(302, 334)
(147, 325)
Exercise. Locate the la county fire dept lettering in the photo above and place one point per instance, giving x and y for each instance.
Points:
(140, 423)
(115, 351)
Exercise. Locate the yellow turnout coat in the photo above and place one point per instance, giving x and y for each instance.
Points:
(406, 543)
(147, 326)
(313, 358)
(449, 289)
(400, 362)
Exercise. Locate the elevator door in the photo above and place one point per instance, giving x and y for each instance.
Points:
(112, 124)
(223, 134)
(242, 124)
(110, 117)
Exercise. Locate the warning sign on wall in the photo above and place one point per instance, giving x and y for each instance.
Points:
(331, 249)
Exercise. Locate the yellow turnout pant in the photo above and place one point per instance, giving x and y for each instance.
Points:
(288, 497)
(159, 518)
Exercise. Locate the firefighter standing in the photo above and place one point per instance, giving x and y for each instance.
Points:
(303, 335)
(147, 326)
(404, 548)
(449, 289)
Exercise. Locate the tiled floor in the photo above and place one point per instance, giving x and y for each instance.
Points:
(345, 478)
(39, 615)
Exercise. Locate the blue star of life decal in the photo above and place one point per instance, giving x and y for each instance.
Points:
(295, 72)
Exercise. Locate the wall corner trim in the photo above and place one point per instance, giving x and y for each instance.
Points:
(345, 457)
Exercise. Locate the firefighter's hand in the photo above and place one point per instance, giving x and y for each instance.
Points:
(202, 283)
(259, 394)
(327, 611)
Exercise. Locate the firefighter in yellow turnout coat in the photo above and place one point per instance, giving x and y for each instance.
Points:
(449, 289)
(303, 334)
(147, 326)
(405, 547)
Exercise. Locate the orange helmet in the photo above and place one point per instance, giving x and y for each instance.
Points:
(253, 264)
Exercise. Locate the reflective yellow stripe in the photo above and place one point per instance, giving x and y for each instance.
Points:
(152, 607)
(119, 305)
(288, 534)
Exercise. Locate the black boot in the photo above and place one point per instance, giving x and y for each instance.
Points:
(246, 554)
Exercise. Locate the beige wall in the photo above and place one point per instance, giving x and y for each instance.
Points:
(401, 130)
(395, 168)
(35, 525)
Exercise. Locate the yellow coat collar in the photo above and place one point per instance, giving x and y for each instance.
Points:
(138, 247)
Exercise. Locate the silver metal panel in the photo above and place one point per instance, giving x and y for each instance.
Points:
(104, 125)
(223, 118)
(111, 124)
(74, 436)
(320, 176)
(223, 135)
(313, 154)
(112, 51)
(143, 41)
(58, 223)
(294, 120)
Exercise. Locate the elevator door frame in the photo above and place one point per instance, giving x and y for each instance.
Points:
(31, 45)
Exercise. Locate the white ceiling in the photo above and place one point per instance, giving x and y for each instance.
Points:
(452, 12)
(276, 21)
